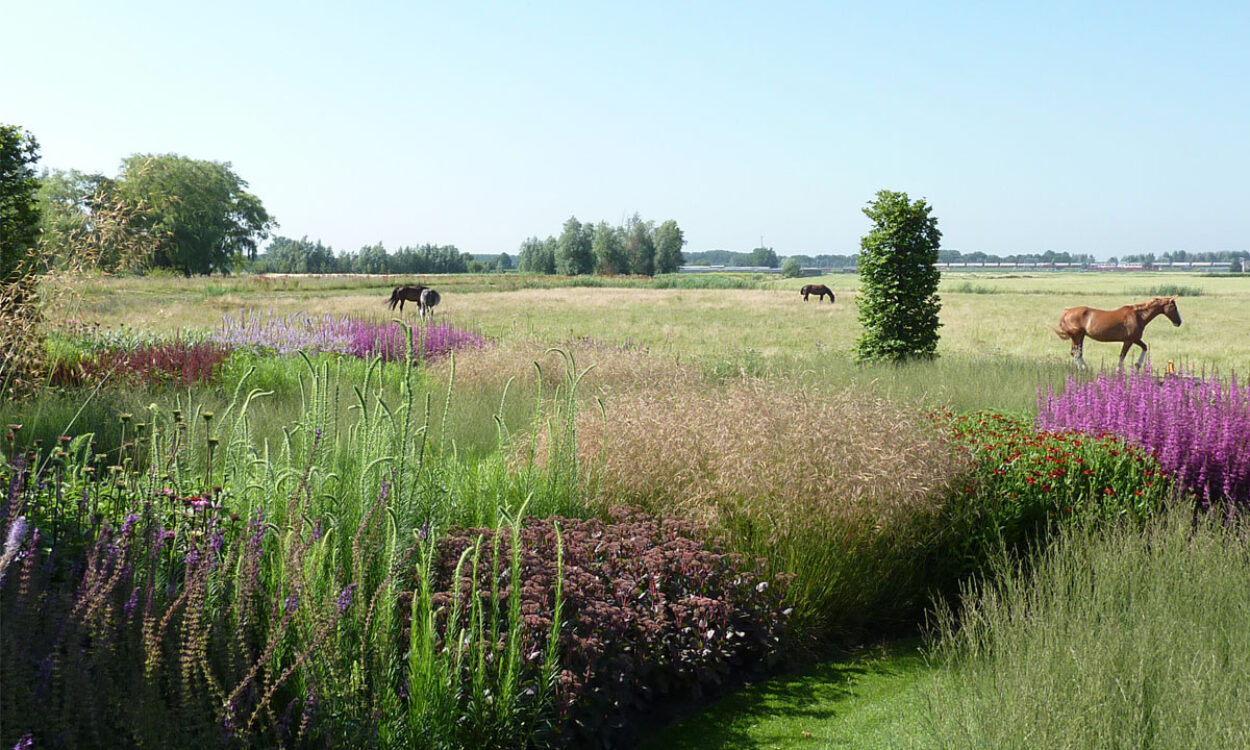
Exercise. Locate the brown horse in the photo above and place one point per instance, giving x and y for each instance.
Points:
(820, 290)
(1122, 324)
(406, 293)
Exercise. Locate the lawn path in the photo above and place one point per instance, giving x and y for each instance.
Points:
(869, 701)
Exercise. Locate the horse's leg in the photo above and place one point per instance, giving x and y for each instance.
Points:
(1142, 359)
(1124, 352)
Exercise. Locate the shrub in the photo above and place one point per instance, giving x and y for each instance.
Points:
(646, 615)
(1026, 483)
(1197, 428)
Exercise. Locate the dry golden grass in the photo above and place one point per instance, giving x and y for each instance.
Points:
(766, 453)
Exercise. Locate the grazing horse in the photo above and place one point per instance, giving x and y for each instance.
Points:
(820, 290)
(1123, 324)
(429, 298)
(407, 293)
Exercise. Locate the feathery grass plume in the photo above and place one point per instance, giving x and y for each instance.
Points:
(1198, 428)
(846, 491)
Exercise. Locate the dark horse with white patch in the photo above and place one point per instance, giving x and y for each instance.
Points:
(406, 294)
(425, 297)
(1122, 324)
(820, 290)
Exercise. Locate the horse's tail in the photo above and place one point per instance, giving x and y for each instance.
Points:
(394, 300)
(1061, 333)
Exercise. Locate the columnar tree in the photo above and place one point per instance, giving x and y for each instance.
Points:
(898, 301)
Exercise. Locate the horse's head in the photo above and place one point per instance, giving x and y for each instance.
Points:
(1168, 308)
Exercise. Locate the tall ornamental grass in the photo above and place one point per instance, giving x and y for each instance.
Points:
(1198, 428)
(1113, 639)
(846, 491)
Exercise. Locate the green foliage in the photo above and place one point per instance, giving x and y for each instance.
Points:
(574, 253)
(1026, 484)
(640, 246)
(608, 245)
(537, 256)
(206, 219)
(19, 206)
(764, 256)
(898, 301)
(790, 268)
(668, 243)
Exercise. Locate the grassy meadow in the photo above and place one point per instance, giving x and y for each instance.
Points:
(566, 503)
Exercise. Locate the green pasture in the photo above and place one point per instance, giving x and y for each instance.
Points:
(997, 343)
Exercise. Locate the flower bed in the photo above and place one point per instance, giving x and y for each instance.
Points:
(342, 335)
(1026, 482)
(646, 614)
(1197, 428)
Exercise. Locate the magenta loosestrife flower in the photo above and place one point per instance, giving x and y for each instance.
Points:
(1197, 428)
(340, 335)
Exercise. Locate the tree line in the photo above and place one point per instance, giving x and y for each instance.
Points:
(285, 255)
(635, 247)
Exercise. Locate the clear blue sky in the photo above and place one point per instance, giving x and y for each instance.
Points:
(1104, 128)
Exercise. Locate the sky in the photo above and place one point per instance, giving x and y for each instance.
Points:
(1083, 127)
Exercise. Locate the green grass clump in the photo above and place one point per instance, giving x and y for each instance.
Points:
(1115, 639)
(1168, 290)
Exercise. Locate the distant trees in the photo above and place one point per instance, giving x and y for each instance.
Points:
(537, 256)
(161, 212)
(205, 219)
(669, 241)
(574, 249)
(19, 204)
(898, 303)
(790, 268)
(285, 255)
(637, 247)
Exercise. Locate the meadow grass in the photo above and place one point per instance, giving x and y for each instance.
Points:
(1113, 639)
(766, 329)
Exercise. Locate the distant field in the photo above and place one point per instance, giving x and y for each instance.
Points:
(1005, 315)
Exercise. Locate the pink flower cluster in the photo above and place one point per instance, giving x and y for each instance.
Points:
(340, 334)
(1198, 428)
